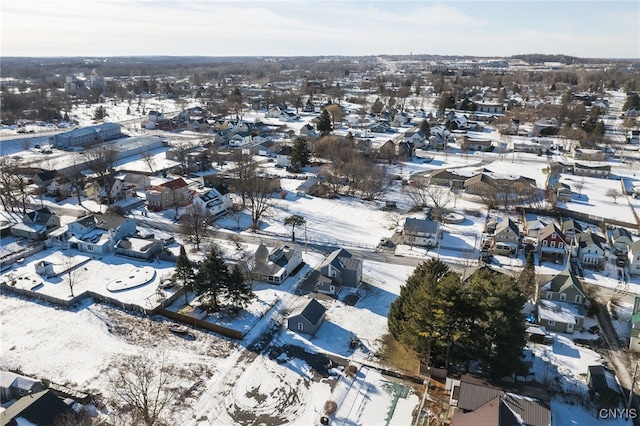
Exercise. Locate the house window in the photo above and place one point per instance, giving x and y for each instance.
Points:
(578, 298)
(550, 322)
(553, 243)
(563, 296)
(544, 243)
(300, 326)
(560, 245)
(553, 236)
(549, 295)
(332, 289)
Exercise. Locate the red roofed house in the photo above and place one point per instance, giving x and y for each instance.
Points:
(169, 194)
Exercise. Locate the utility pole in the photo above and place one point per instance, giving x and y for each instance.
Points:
(633, 384)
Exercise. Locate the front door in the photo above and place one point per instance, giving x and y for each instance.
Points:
(570, 328)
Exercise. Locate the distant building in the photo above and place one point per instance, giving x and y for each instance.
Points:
(82, 136)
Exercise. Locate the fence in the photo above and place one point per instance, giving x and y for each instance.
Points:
(13, 257)
(325, 241)
(234, 334)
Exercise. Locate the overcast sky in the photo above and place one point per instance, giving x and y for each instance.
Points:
(603, 29)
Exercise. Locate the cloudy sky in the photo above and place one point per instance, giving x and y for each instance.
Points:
(603, 29)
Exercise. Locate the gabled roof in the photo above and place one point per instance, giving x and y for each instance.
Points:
(175, 184)
(550, 229)
(313, 312)
(46, 175)
(426, 226)
(563, 281)
(285, 150)
(585, 239)
(40, 408)
(507, 224)
(571, 225)
(620, 233)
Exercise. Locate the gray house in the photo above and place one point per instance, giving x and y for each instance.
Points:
(339, 270)
(560, 316)
(421, 232)
(564, 287)
(309, 319)
(13, 386)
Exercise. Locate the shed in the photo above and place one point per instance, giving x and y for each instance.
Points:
(309, 319)
(603, 385)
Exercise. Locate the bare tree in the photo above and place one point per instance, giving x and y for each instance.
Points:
(613, 193)
(74, 274)
(259, 199)
(102, 160)
(579, 186)
(440, 197)
(147, 157)
(375, 183)
(195, 222)
(143, 384)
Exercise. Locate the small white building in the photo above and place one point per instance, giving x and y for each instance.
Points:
(216, 200)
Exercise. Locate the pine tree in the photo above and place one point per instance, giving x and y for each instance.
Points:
(324, 123)
(300, 154)
(185, 274)
(212, 277)
(527, 278)
(238, 289)
(426, 128)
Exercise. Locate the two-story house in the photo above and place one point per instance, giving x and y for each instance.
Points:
(589, 250)
(552, 243)
(620, 239)
(506, 238)
(169, 194)
(339, 270)
(560, 304)
(633, 257)
(421, 232)
(217, 200)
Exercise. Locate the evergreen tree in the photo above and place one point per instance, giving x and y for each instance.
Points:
(527, 277)
(300, 154)
(184, 273)
(324, 123)
(212, 277)
(238, 289)
(377, 107)
(426, 128)
(100, 113)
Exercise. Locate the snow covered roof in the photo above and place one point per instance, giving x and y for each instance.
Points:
(560, 312)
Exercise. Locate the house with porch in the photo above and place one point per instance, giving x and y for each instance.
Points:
(275, 265)
(552, 244)
(339, 270)
(506, 238)
(590, 250)
(99, 233)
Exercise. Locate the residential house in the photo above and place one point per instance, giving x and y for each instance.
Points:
(583, 154)
(60, 186)
(552, 244)
(308, 187)
(98, 233)
(506, 238)
(276, 265)
(421, 232)
(217, 201)
(590, 249)
(121, 189)
(473, 144)
(570, 228)
(40, 408)
(562, 191)
(417, 137)
(533, 225)
(14, 386)
(169, 194)
(241, 139)
(43, 179)
(563, 287)
(339, 270)
(489, 107)
(596, 170)
(309, 319)
(308, 130)
(387, 152)
(634, 343)
(545, 127)
(36, 225)
(620, 239)
(139, 248)
(634, 258)
(478, 402)
(283, 157)
(561, 317)
(451, 178)
(603, 386)
(406, 150)
(155, 116)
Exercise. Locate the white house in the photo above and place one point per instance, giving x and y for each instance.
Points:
(217, 201)
(283, 156)
(421, 232)
(241, 139)
(634, 258)
(98, 233)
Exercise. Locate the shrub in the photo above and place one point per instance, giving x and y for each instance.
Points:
(330, 407)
